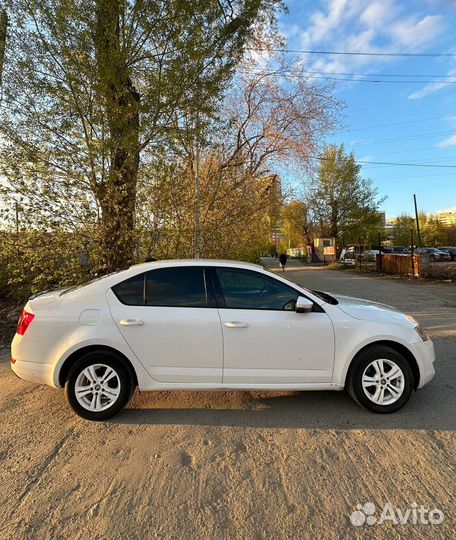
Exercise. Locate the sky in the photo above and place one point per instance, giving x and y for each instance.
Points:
(410, 122)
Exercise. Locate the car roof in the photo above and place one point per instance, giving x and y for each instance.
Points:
(194, 262)
(108, 281)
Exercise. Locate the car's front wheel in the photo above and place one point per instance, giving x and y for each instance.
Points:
(98, 386)
(380, 379)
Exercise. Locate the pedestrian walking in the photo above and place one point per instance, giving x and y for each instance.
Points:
(283, 261)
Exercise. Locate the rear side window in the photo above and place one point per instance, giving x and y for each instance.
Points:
(172, 287)
(176, 287)
(131, 291)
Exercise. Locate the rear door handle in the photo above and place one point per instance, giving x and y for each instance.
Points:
(131, 322)
(236, 324)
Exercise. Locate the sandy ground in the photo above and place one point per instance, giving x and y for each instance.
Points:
(236, 465)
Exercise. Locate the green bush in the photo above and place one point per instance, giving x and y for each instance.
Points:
(35, 261)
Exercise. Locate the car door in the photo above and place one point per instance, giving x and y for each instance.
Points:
(169, 320)
(265, 340)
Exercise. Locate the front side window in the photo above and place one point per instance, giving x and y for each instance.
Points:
(176, 287)
(244, 289)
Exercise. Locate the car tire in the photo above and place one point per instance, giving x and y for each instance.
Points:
(99, 385)
(380, 379)
(431, 258)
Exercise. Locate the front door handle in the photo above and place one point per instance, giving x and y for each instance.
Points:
(236, 324)
(131, 322)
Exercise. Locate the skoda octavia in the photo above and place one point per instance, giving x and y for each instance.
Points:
(208, 325)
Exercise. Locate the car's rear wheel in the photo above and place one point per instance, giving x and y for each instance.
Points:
(380, 379)
(98, 386)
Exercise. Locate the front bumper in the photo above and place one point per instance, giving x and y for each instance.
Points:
(424, 354)
(33, 371)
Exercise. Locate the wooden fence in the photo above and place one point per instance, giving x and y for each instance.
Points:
(399, 264)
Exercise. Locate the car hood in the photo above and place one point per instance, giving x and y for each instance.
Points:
(372, 311)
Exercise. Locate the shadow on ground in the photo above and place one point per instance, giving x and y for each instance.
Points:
(293, 410)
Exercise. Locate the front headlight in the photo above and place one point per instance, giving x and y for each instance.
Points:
(420, 331)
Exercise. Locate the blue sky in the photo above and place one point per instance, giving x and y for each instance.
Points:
(412, 122)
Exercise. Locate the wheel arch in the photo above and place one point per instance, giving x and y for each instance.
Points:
(398, 347)
(79, 353)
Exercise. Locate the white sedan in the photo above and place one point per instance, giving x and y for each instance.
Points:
(208, 325)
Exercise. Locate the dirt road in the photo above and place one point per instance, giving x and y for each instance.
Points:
(236, 465)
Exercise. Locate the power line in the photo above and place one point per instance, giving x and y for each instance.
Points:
(406, 75)
(423, 163)
(408, 150)
(353, 53)
(398, 164)
(381, 81)
(346, 79)
(444, 175)
(408, 164)
(408, 138)
(381, 74)
(395, 123)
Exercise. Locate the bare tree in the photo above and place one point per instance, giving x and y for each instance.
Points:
(267, 122)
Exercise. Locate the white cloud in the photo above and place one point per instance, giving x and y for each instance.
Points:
(413, 32)
(451, 141)
(431, 88)
(377, 14)
(378, 26)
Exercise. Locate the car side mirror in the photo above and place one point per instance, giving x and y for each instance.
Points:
(303, 305)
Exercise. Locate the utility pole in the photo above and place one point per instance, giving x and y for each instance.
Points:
(3, 30)
(16, 204)
(412, 253)
(197, 192)
(417, 221)
(380, 254)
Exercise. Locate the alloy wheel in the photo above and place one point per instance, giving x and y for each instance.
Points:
(97, 387)
(383, 382)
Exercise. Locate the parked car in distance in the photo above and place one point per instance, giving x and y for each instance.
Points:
(348, 255)
(205, 325)
(371, 254)
(401, 250)
(435, 255)
(450, 250)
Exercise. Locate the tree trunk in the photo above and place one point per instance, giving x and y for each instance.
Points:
(334, 225)
(117, 193)
(3, 31)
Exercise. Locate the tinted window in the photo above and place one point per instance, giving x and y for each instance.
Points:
(131, 291)
(176, 287)
(243, 289)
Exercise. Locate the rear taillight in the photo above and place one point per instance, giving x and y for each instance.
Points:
(24, 322)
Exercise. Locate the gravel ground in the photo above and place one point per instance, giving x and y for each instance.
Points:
(236, 465)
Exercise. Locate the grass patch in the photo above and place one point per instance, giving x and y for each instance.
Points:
(339, 266)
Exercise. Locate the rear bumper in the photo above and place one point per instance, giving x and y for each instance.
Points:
(33, 371)
(425, 357)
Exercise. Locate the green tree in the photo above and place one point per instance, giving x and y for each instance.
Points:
(93, 88)
(401, 231)
(297, 227)
(344, 204)
(435, 233)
